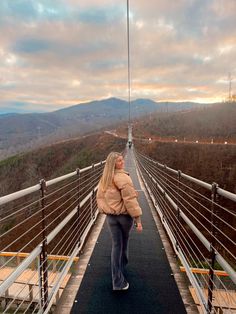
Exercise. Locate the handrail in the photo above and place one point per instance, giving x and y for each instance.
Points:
(14, 196)
(72, 207)
(207, 186)
(227, 194)
(184, 211)
(28, 260)
(19, 270)
(50, 216)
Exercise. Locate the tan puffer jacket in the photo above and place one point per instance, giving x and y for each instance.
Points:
(120, 198)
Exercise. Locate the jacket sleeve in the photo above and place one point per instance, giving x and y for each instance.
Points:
(128, 194)
(99, 199)
(103, 208)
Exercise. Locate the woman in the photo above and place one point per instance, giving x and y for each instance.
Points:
(117, 198)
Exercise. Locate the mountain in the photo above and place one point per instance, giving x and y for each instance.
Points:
(19, 132)
(6, 115)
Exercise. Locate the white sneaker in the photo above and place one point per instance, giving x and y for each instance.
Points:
(126, 287)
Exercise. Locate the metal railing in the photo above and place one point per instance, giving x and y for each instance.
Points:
(42, 230)
(200, 220)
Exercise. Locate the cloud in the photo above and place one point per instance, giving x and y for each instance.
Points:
(31, 46)
(20, 9)
(101, 15)
(58, 53)
(30, 10)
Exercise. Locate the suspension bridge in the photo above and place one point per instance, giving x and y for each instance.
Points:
(55, 247)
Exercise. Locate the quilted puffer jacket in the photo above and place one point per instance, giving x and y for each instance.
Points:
(120, 197)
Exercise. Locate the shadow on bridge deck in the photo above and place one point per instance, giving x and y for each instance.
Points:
(152, 285)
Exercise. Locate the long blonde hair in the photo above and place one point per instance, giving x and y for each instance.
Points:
(109, 170)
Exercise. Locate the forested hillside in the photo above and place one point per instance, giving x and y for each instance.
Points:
(210, 163)
(216, 122)
(23, 170)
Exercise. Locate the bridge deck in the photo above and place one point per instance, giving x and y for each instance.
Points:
(152, 285)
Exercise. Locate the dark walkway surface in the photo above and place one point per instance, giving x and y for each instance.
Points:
(152, 286)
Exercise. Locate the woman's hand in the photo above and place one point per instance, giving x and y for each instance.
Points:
(139, 227)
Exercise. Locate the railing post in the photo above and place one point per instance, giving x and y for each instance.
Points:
(212, 252)
(163, 211)
(164, 195)
(178, 210)
(78, 203)
(92, 196)
(91, 207)
(43, 254)
(156, 186)
(40, 284)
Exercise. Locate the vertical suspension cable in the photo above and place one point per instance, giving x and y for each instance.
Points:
(128, 51)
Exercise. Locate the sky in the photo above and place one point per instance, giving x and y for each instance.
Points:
(58, 53)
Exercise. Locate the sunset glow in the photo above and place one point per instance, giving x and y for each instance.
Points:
(60, 53)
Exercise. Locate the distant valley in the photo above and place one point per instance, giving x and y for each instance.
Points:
(207, 162)
(22, 132)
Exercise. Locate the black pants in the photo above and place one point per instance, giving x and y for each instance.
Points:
(119, 227)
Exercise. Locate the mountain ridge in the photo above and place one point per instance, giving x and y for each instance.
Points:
(108, 100)
(19, 132)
